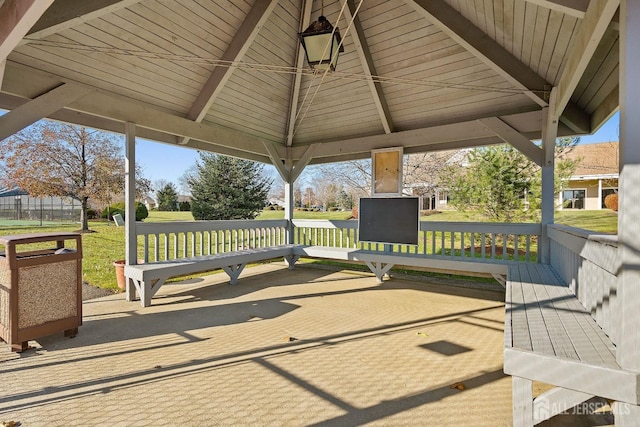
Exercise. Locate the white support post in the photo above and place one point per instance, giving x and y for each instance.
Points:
(628, 351)
(3, 65)
(131, 245)
(289, 205)
(600, 193)
(549, 135)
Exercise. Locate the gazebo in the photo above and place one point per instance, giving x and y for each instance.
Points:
(414, 75)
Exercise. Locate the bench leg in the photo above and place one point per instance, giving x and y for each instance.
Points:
(131, 289)
(379, 269)
(234, 272)
(522, 395)
(291, 260)
(625, 414)
(556, 401)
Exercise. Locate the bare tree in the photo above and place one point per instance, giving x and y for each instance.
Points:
(55, 159)
(326, 192)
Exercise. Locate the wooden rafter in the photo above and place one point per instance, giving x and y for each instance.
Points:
(16, 18)
(362, 48)
(496, 57)
(297, 80)
(575, 8)
(514, 138)
(39, 108)
(241, 42)
(595, 23)
(65, 14)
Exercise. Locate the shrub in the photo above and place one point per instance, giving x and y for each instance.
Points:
(92, 214)
(611, 202)
(333, 209)
(184, 206)
(141, 211)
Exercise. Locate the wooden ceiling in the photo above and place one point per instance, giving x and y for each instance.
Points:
(230, 77)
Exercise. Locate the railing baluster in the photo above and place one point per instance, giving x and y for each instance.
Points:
(453, 244)
(483, 252)
(156, 247)
(473, 244)
(493, 245)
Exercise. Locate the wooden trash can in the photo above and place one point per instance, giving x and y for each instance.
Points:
(40, 286)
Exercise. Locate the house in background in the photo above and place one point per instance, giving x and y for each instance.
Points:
(596, 176)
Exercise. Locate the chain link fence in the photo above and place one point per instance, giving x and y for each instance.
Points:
(22, 207)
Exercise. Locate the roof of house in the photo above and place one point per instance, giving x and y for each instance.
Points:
(10, 192)
(595, 159)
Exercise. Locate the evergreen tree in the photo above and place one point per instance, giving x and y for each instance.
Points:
(345, 201)
(167, 198)
(227, 188)
(499, 179)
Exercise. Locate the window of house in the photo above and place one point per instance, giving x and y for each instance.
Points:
(605, 193)
(573, 199)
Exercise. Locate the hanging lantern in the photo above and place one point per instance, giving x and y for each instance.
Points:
(321, 44)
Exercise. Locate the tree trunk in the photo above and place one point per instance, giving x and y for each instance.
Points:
(83, 214)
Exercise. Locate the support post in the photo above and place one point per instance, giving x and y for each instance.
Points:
(131, 245)
(289, 205)
(549, 135)
(628, 351)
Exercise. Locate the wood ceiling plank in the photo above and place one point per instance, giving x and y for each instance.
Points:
(241, 42)
(594, 25)
(494, 55)
(359, 40)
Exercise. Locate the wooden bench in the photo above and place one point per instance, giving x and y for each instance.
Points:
(148, 278)
(551, 338)
(380, 263)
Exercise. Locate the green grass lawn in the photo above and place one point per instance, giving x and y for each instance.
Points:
(106, 244)
(267, 214)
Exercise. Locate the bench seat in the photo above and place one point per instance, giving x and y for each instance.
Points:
(148, 278)
(380, 263)
(550, 337)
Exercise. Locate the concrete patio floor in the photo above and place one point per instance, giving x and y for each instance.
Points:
(302, 347)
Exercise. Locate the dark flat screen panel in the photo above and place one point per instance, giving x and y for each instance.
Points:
(389, 220)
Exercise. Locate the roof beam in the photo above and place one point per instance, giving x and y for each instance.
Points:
(297, 80)
(515, 138)
(65, 14)
(362, 48)
(11, 102)
(596, 21)
(241, 42)
(496, 57)
(575, 8)
(277, 162)
(39, 108)
(304, 160)
(16, 18)
(123, 109)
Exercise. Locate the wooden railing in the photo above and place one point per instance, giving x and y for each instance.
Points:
(162, 241)
(451, 240)
(494, 242)
(588, 262)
